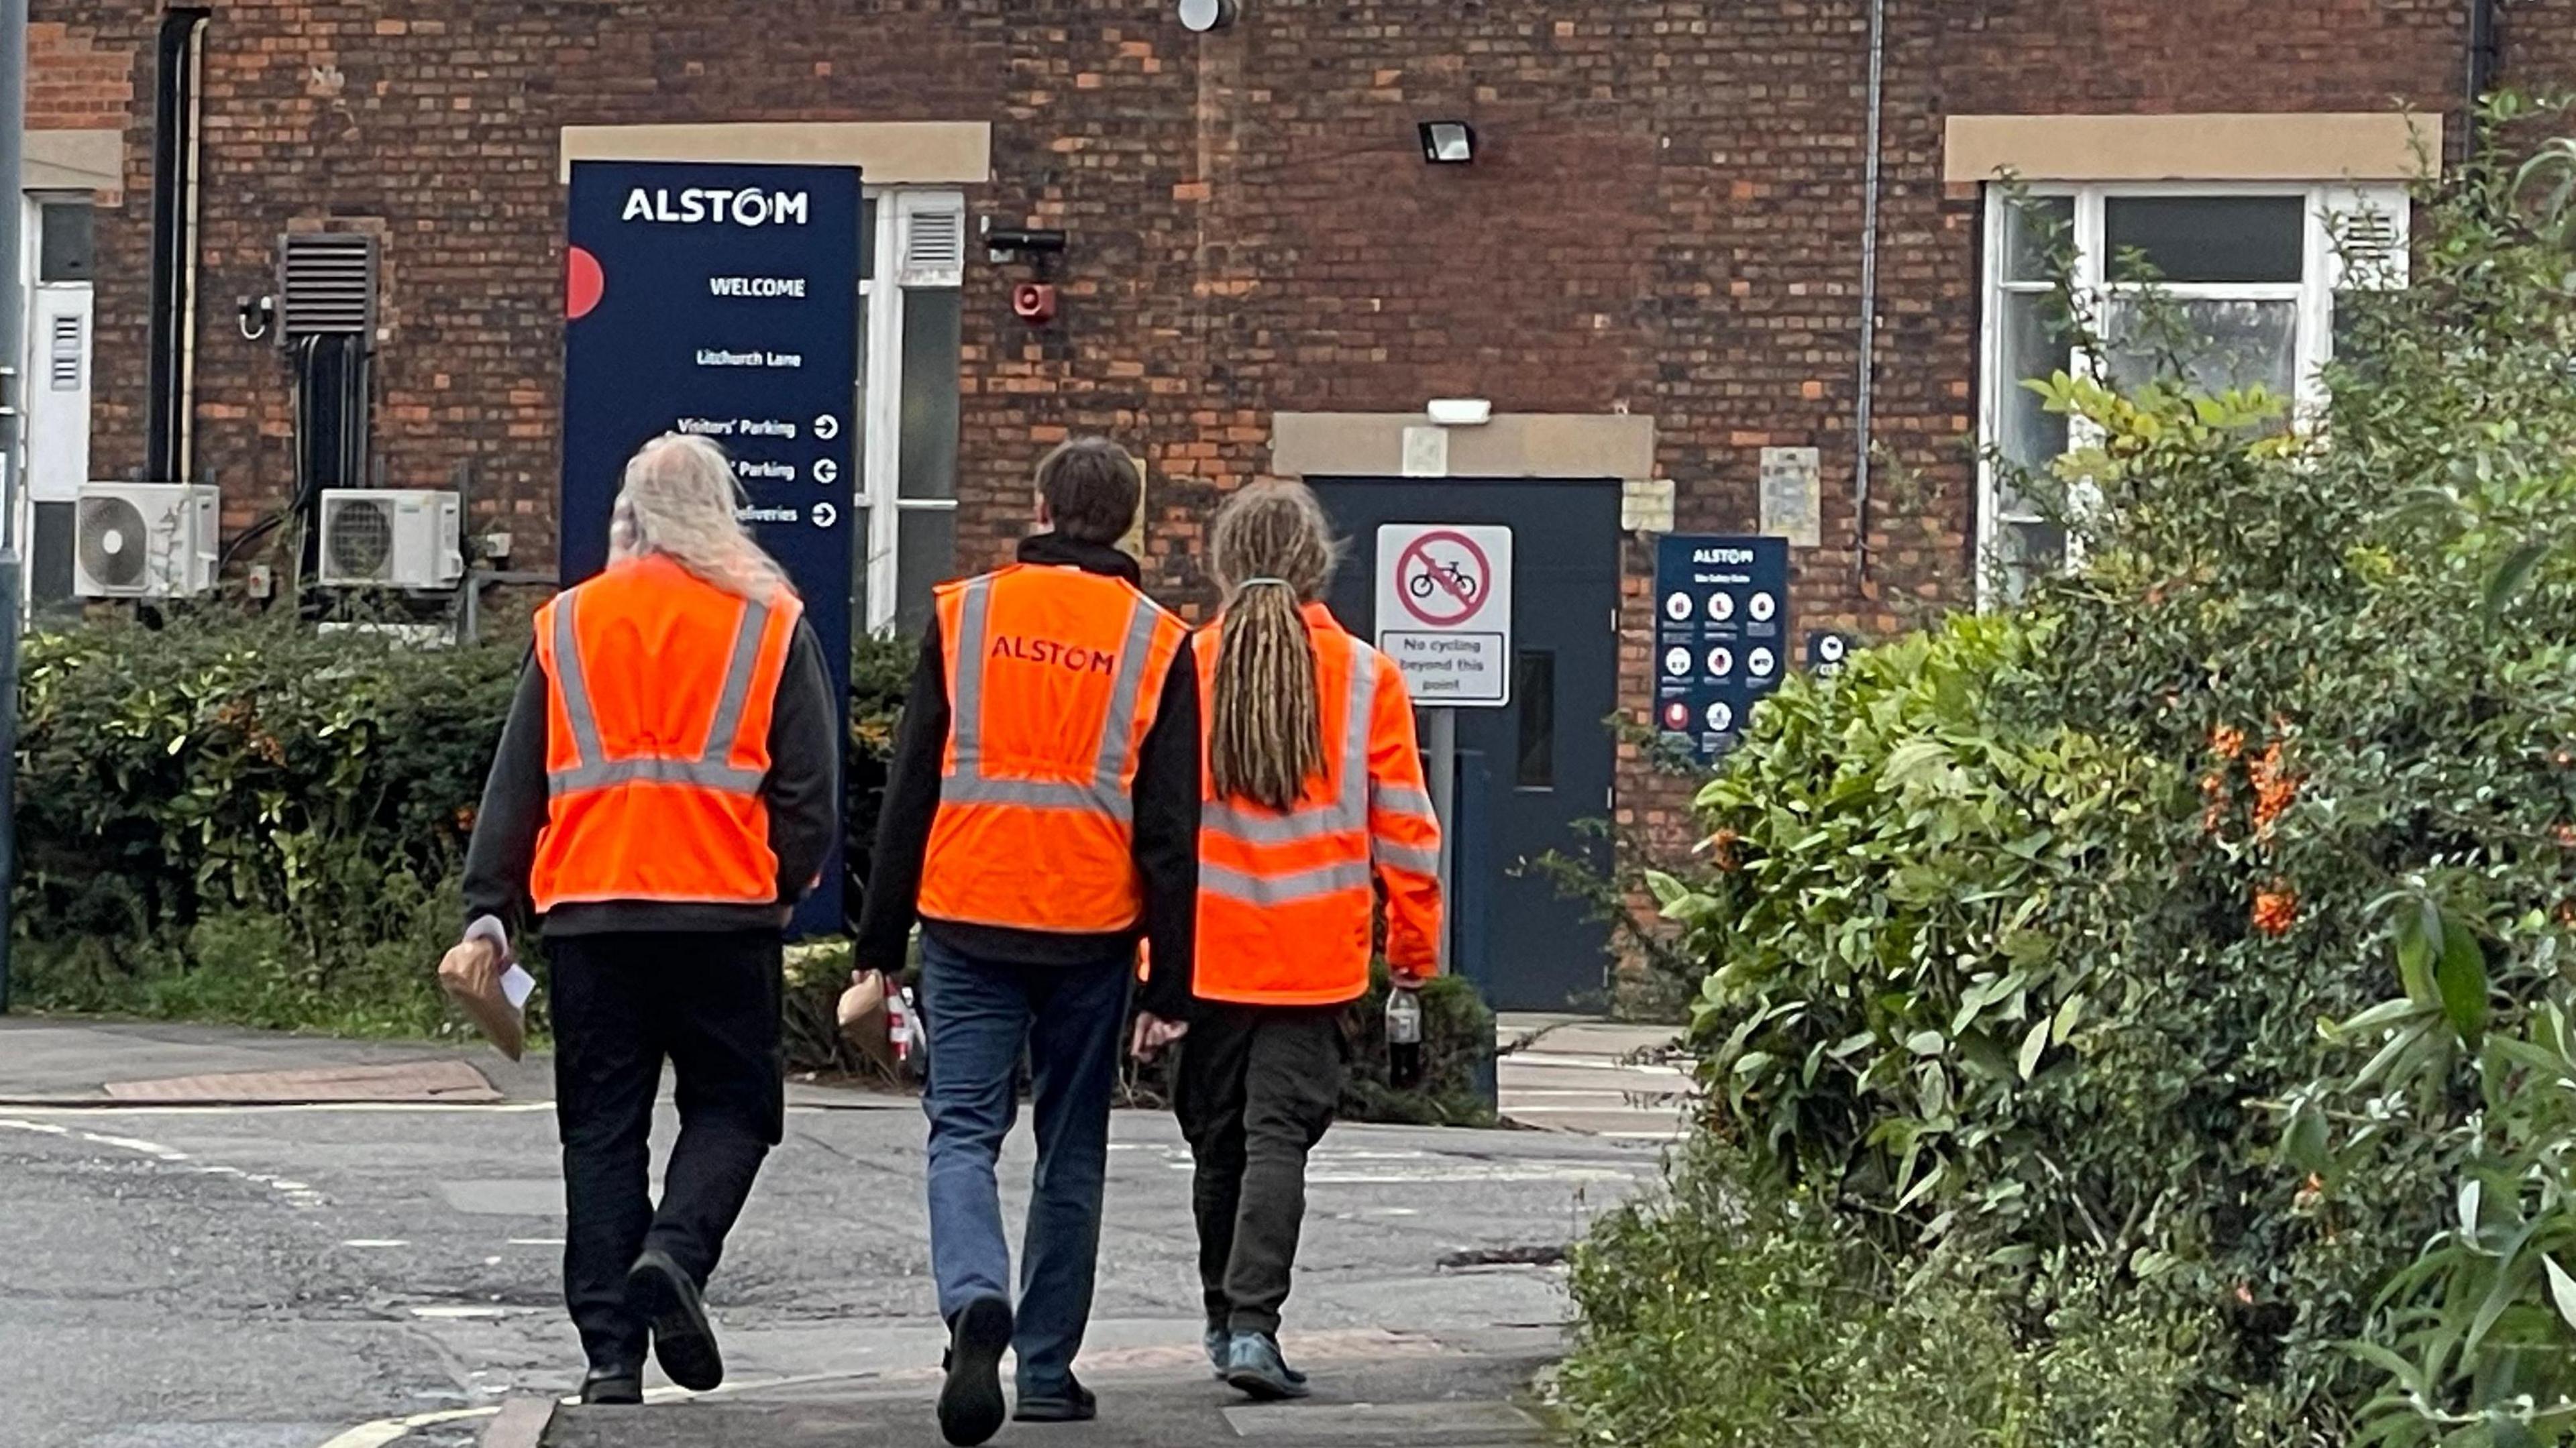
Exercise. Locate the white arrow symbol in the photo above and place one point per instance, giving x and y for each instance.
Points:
(825, 515)
(827, 427)
(826, 470)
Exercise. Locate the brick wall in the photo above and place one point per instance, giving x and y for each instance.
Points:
(76, 79)
(1665, 218)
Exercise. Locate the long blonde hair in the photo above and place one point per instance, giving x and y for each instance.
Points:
(1273, 551)
(678, 499)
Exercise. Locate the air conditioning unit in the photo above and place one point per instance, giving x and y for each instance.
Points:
(145, 540)
(391, 538)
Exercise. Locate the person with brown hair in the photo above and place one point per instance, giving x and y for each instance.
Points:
(1312, 801)
(1041, 821)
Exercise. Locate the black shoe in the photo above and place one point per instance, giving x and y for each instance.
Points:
(684, 1342)
(1074, 1404)
(613, 1387)
(970, 1402)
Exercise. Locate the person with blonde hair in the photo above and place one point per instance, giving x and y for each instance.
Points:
(666, 789)
(1312, 805)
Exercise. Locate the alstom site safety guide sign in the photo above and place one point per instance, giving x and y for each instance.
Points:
(722, 301)
(1444, 611)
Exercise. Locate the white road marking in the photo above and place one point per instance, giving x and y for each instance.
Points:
(536, 1241)
(375, 1242)
(297, 1194)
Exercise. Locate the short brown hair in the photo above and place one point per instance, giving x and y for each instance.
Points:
(1092, 490)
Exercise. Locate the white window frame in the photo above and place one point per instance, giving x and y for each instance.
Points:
(2313, 295)
(881, 398)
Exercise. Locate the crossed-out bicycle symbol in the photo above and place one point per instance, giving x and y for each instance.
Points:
(1452, 577)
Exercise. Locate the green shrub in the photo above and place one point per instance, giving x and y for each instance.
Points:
(2018, 954)
(1715, 1317)
(238, 819)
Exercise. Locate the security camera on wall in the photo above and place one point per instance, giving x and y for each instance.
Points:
(1201, 16)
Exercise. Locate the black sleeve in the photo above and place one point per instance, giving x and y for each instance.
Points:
(803, 790)
(903, 825)
(504, 846)
(1167, 839)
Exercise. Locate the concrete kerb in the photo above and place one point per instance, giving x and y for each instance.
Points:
(521, 1423)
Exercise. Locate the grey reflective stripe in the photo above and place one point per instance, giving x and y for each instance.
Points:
(1397, 799)
(713, 774)
(1109, 770)
(737, 683)
(1271, 829)
(713, 769)
(1265, 891)
(1036, 794)
(1355, 733)
(570, 683)
(1404, 857)
(966, 711)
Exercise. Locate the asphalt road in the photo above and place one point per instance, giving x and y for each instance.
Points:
(274, 1278)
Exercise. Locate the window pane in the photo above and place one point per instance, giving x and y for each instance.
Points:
(925, 554)
(2218, 345)
(931, 322)
(2030, 229)
(1534, 698)
(2209, 238)
(2026, 431)
(2025, 552)
(867, 239)
(64, 249)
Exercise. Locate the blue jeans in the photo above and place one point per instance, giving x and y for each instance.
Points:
(980, 1014)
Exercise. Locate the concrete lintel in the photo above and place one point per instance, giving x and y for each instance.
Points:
(2283, 146)
(92, 160)
(1512, 445)
(891, 153)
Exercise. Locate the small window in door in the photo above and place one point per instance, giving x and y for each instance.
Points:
(64, 248)
(1534, 696)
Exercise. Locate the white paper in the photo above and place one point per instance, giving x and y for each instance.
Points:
(516, 986)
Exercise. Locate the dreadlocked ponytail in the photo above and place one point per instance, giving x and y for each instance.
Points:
(1273, 552)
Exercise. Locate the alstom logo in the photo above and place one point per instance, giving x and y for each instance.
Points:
(1050, 651)
(701, 206)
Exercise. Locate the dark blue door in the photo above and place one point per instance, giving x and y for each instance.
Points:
(1547, 756)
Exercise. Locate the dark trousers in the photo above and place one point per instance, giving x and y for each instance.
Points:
(1256, 1090)
(708, 1003)
(981, 1014)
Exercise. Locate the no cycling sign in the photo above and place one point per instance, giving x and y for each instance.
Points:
(1444, 611)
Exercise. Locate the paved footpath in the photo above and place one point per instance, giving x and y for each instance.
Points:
(194, 1265)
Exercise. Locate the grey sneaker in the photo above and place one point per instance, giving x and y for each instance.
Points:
(1254, 1368)
(1220, 1343)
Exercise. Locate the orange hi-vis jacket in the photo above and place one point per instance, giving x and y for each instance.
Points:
(1054, 678)
(659, 691)
(1285, 900)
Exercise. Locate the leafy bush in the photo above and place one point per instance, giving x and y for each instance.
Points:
(2017, 953)
(1713, 1319)
(234, 818)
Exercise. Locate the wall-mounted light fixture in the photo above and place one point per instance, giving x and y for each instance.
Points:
(1201, 16)
(1448, 143)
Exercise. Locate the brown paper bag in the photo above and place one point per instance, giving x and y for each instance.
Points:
(484, 989)
(862, 1015)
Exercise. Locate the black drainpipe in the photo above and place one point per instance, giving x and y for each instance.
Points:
(170, 395)
(2486, 56)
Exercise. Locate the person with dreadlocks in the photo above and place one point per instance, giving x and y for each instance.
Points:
(667, 787)
(1312, 804)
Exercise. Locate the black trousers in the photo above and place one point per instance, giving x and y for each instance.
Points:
(623, 1004)
(1256, 1090)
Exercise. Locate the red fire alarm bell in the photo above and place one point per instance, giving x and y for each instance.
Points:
(1033, 302)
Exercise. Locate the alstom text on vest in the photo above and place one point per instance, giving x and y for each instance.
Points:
(1053, 651)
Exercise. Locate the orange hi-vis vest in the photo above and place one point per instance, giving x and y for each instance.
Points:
(659, 691)
(1285, 899)
(1054, 678)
